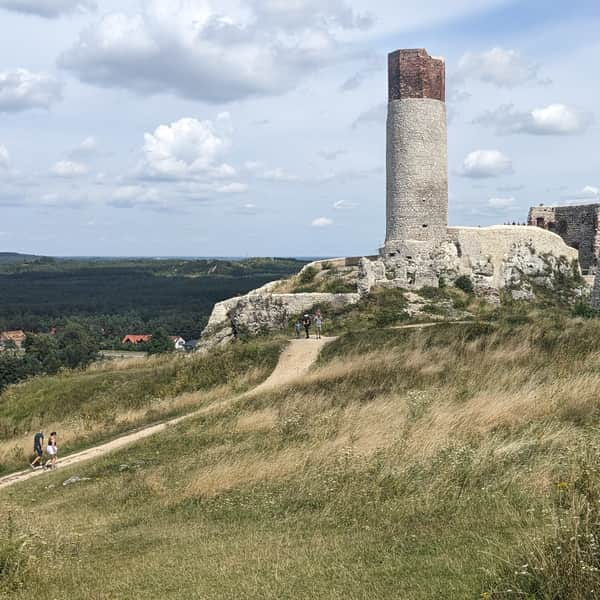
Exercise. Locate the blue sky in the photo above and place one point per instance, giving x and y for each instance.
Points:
(257, 127)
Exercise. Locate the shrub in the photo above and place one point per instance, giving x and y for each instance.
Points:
(582, 309)
(464, 283)
(307, 275)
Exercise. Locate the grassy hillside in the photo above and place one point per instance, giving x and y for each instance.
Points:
(109, 398)
(458, 461)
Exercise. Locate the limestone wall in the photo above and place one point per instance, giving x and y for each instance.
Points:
(577, 225)
(262, 310)
(417, 171)
(490, 251)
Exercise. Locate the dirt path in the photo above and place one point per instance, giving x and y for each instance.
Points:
(295, 361)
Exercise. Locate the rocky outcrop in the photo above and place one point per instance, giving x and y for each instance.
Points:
(514, 258)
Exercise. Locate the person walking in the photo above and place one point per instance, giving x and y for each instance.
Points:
(306, 321)
(318, 324)
(52, 451)
(298, 328)
(38, 440)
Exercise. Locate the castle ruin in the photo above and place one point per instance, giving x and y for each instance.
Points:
(420, 249)
(578, 226)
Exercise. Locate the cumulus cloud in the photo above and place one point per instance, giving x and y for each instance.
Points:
(554, 119)
(49, 9)
(321, 222)
(69, 168)
(344, 204)
(188, 149)
(215, 50)
(502, 203)
(498, 66)
(4, 157)
(481, 164)
(21, 90)
(373, 116)
(588, 192)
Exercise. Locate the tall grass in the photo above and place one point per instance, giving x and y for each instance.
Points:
(407, 464)
(88, 406)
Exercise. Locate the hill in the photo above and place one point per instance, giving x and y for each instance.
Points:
(452, 461)
(12, 258)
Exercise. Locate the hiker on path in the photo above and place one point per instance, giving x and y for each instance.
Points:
(298, 328)
(52, 451)
(306, 321)
(38, 440)
(318, 323)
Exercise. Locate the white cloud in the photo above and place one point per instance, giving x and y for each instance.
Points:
(344, 204)
(554, 119)
(278, 174)
(498, 66)
(503, 203)
(188, 149)
(87, 148)
(232, 188)
(588, 192)
(21, 90)
(4, 157)
(49, 9)
(322, 222)
(68, 168)
(486, 163)
(214, 50)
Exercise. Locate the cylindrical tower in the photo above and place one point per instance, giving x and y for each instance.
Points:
(417, 154)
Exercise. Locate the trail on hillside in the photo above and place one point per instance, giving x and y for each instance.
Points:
(294, 362)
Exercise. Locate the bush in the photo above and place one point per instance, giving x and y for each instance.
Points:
(307, 275)
(583, 309)
(464, 283)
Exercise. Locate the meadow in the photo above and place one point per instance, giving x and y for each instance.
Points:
(457, 461)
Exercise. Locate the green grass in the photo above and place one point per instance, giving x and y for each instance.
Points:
(96, 404)
(409, 464)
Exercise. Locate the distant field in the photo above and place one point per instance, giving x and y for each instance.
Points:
(119, 296)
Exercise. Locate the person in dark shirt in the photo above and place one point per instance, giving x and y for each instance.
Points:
(38, 440)
(307, 322)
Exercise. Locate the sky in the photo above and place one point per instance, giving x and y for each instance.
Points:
(257, 127)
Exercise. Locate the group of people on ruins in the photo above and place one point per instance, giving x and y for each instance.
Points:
(306, 322)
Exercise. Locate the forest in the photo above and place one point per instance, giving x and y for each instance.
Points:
(114, 297)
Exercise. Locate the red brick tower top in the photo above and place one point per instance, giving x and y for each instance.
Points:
(415, 74)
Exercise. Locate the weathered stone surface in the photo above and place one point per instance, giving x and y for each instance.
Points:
(579, 226)
(595, 299)
(261, 310)
(417, 172)
(415, 74)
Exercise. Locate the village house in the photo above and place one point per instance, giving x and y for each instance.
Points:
(135, 339)
(8, 338)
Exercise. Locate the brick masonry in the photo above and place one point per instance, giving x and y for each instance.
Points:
(415, 74)
(579, 227)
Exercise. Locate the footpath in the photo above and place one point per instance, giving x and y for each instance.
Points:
(294, 362)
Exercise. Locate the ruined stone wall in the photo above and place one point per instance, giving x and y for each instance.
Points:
(577, 225)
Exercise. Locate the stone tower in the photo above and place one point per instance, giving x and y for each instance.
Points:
(417, 154)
